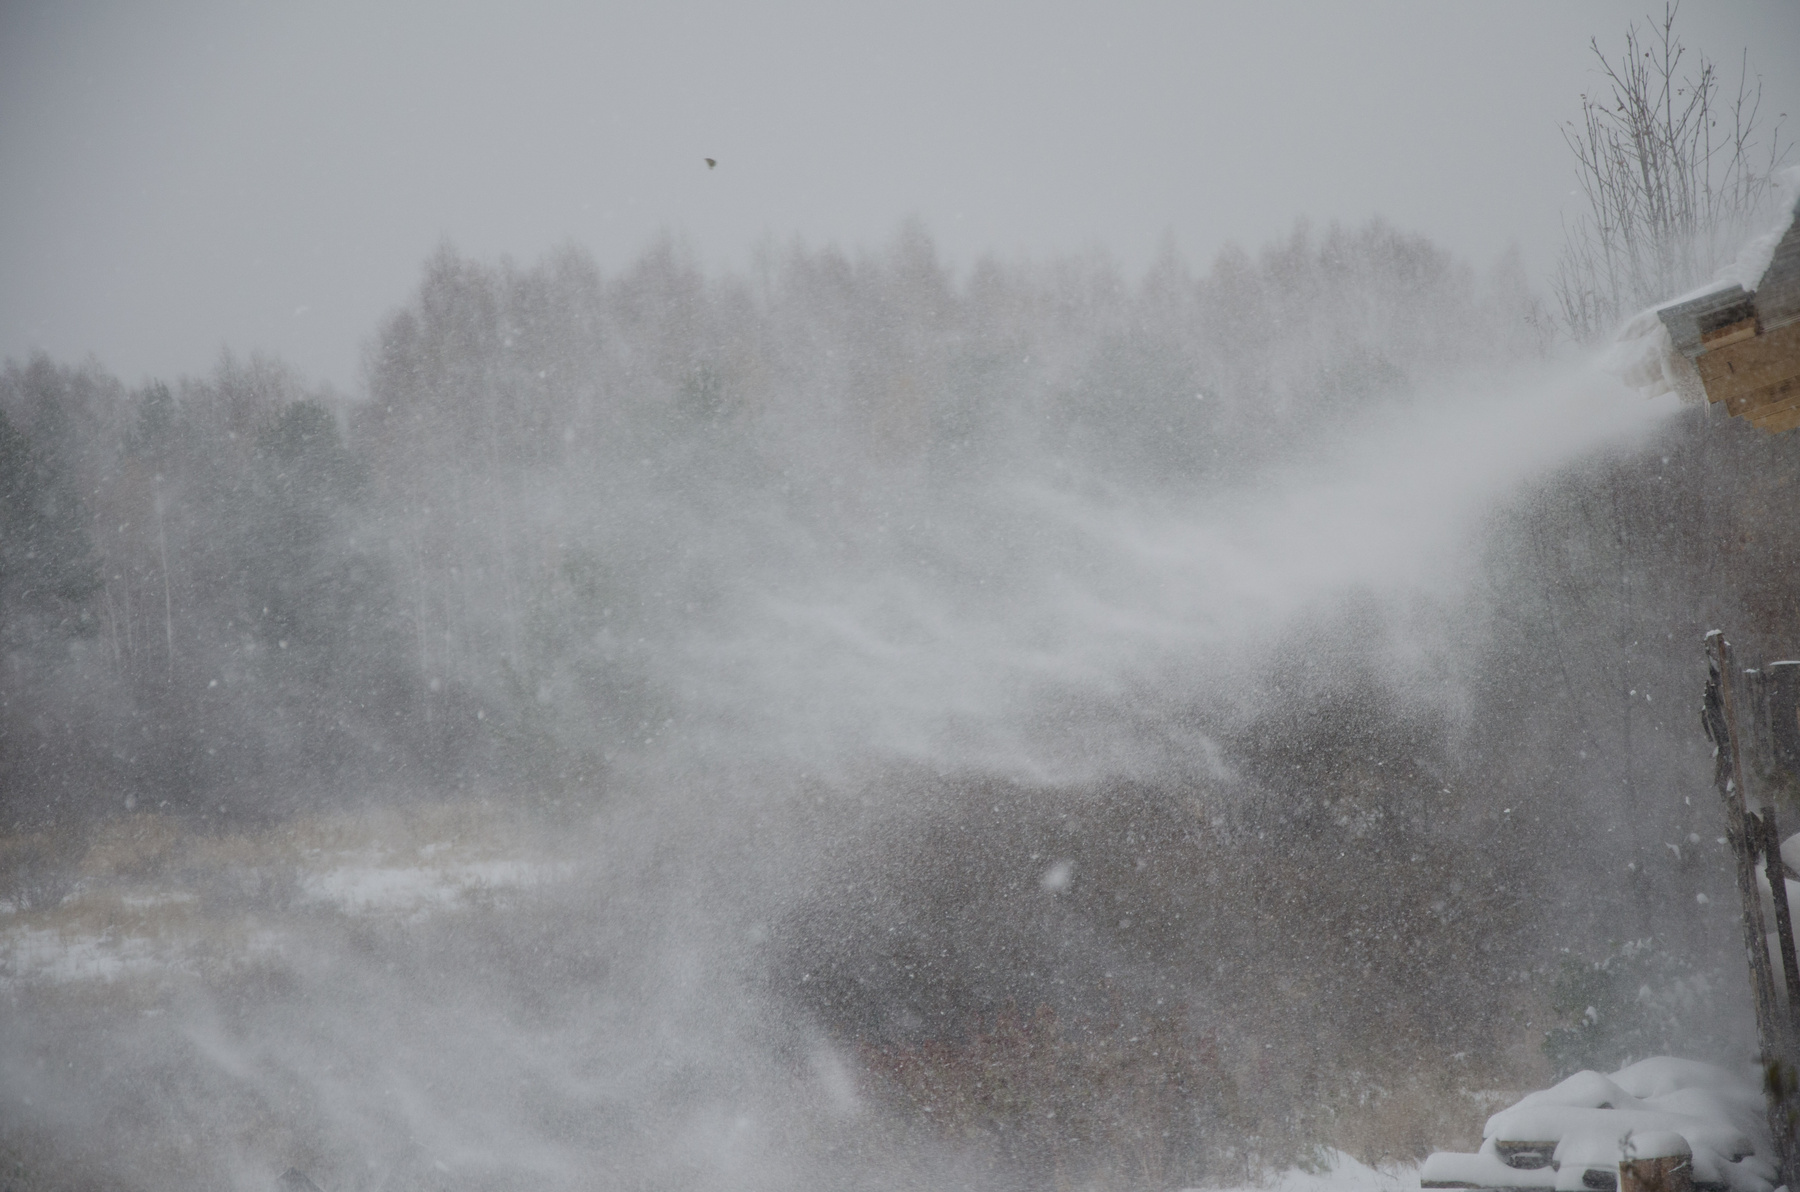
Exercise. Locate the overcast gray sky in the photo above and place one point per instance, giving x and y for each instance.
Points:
(177, 178)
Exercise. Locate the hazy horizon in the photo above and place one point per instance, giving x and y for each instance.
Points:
(200, 177)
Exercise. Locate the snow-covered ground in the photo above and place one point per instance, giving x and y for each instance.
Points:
(1339, 1172)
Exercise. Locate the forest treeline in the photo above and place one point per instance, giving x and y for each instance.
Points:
(235, 593)
(514, 567)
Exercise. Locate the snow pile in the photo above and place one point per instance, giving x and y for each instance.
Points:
(1573, 1137)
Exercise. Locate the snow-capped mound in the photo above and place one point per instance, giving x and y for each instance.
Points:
(1573, 1137)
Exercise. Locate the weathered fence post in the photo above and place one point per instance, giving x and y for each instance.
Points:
(1748, 835)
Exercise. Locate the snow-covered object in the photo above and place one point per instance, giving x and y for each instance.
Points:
(1656, 1108)
(1333, 1172)
(1741, 337)
(1484, 1169)
(1755, 268)
(1753, 298)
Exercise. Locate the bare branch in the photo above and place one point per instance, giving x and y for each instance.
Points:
(1668, 198)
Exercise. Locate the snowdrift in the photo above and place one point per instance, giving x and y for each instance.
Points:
(1574, 1137)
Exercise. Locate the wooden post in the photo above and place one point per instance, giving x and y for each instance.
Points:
(1776, 871)
(1663, 1173)
(1746, 834)
(1765, 760)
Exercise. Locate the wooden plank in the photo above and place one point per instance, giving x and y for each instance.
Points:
(1748, 405)
(1731, 333)
(1776, 423)
(1784, 403)
(1749, 365)
(1741, 398)
(1777, 417)
(1786, 397)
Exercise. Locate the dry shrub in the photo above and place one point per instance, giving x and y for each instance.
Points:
(1406, 1118)
(36, 868)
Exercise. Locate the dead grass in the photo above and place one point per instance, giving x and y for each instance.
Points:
(133, 847)
(37, 869)
(152, 896)
(1431, 1109)
(1131, 1102)
(1140, 1101)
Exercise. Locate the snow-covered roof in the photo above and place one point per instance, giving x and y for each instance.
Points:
(1741, 336)
(1773, 299)
(1691, 321)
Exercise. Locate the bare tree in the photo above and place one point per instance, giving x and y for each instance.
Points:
(1674, 173)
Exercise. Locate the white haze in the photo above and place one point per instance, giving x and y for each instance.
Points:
(613, 1026)
(993, 631)
(608, 997)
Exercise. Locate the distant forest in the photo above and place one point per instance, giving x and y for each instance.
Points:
(231, 598)
(231, 594)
